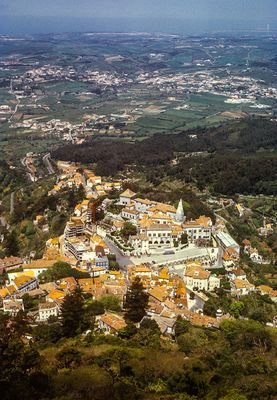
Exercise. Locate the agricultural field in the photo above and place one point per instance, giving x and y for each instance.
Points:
(129, 85)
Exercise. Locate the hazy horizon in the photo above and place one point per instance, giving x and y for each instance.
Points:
(176, 16)
(17, 25)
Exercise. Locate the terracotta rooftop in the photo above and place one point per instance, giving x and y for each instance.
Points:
(56, 294)
(22, 280)
(240, 284)
(158, 293)
(238, 272)
(47, 305)
(114, 321)
(128, 193)
(9, 261)
(196, 272)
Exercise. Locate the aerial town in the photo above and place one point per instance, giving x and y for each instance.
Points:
(138, 219)
(177, 259)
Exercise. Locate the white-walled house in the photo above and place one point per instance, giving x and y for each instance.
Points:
(230, 258)
(140, 243)
(241, 287)
(214, 282)
(131, 215)
(158, 235)
(13, 306)
(142, 205)
(201, 228)
(46, 310)
(111, 323)
(126, 197)
(197, 277)
(237, 273)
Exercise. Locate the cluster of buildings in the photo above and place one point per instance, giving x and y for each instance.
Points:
(114, 124)
(238, 88)
(5, 112)
(160, 226)
(170, 294)
(253, 253)
(71, 176)
(65, 130)
(48, 73)
(51, 73)
(105, 78)
(265, 230)
(180, 288)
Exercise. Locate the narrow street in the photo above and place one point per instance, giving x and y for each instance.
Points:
(122, 260)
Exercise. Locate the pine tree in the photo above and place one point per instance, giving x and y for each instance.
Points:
(72, 313)
(11, 244)
(136, 302)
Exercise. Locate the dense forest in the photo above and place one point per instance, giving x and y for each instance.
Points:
(9, 178)
(235, 158)
(229, 174)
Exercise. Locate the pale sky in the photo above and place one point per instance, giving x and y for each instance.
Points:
(199, 9)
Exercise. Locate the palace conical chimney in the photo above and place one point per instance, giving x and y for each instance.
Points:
(180, 215)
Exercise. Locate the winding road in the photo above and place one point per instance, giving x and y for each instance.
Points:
(12, 203)
(46, 160)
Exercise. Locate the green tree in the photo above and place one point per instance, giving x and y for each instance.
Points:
(11, 244)
(48, 333)
(17, 359)
(148, 334)
(247, 333)
(72, 312)
(128, 230)
(192, 340)
(30, 231)
(95, 307)
(181, 326)
(184, 238)
(211, 306)
(61, 270)
(260, 315)
(258, 307)
(136, 301)
(29, 302)
(214, 303)
(192, 380)
(113, 264)
(114, 362)
(129, 331)
(58, 224)
(236, 308)
(151, 324)
(69, 358)
(111, 302)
